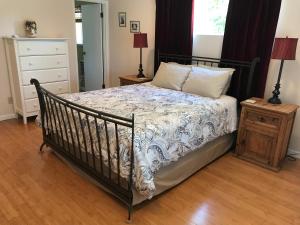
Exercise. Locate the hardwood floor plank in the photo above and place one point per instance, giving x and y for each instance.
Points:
(38, 189)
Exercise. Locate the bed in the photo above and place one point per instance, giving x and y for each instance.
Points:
(138, 141)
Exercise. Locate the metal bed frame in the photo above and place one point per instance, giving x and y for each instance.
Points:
(58, 116)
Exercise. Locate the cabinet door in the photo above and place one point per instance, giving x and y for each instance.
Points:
(256, 144)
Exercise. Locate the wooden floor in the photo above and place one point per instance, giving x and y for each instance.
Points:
(40, 189)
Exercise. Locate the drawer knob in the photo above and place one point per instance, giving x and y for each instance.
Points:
(28, 49)
(58, 63)
(56, 49)
(59, 76)
(33, 92)
(30, 64)
(261, 119)
(34, 106)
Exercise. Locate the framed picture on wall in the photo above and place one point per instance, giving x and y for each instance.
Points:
(134, 26)
(122, 19)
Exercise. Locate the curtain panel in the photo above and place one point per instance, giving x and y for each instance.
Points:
(174, 27)
(249, 32)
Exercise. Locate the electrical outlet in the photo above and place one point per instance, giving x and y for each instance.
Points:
(10, 100)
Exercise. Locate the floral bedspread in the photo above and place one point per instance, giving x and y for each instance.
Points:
(168, 125)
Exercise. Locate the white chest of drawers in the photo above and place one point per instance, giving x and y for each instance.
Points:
(45, 59)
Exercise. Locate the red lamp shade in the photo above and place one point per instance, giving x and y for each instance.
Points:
(140, 40)
(285, 48)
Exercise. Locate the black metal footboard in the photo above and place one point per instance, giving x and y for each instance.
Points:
(84, 136)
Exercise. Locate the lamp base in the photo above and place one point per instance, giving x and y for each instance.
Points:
(275, 99)
(141, 74)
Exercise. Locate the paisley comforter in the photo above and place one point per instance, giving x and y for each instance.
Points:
(168, 125)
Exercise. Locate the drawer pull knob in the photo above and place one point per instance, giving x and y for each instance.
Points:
(59, 76)
(261, 119)
(28, 49)
(30, 64)
(57, 63)
(33, 92)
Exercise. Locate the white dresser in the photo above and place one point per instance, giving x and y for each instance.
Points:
(45, 59)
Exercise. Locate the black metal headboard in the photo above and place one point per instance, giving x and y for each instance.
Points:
(242, 79)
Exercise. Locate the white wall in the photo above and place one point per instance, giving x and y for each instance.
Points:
(288, 25)
(124, 59)
(55, 18)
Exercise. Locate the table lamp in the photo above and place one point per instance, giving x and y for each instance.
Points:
(140, 41)
(284, 49)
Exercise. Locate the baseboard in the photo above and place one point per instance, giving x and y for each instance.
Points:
(8, 117)
(295, 153)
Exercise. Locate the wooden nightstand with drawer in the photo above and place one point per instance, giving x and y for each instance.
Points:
(264, 132)
(133, 79)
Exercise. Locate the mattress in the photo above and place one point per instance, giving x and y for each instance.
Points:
(168, 125)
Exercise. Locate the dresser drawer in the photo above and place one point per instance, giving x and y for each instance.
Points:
(32, 105)
(27, 48)
(55, 88)
(261, 118)
(43, 62)
(45, 76)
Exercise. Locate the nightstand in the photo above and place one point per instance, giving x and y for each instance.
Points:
(133, 79)
(264, 132)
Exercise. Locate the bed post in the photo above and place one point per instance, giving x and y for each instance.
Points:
(37, 85)
(131, 172)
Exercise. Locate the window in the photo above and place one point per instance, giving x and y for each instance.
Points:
(210, 17)
(79, 38)
(78, 18)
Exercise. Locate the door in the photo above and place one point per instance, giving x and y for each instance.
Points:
(257, 144)
(92, 46)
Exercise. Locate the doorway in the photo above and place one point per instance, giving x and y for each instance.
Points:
(90, 37)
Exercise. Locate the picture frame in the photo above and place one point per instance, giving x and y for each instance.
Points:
(134, 26)
(122, 19)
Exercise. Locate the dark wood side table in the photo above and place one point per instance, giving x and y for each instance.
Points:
(264, 132)
(133, 79)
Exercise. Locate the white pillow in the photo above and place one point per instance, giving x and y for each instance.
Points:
(229, 70)
(171, 76)
(206, 82)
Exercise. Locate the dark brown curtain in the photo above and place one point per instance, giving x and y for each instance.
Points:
(174, 27)
(249, 32)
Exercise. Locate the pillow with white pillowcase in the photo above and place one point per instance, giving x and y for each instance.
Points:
(206, 82)
(171, 76)
(229, 70)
